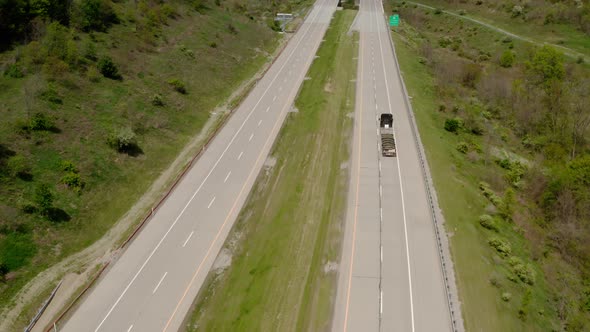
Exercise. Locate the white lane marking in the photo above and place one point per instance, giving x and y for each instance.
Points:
(226, 177)
(380, 191)
(259, 123)
(401, 190)
(130, 328)
(379, 165)
(381, 253)
(381, 303)
(240, 156)
(376, 107)
(267, 109)
(211, 203)
(250, 138)
(187, 239)
(274, 98)
(159, 283)
(205, 179)
(381, 213)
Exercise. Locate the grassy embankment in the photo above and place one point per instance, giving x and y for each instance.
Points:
(520, 283)
(285, 244)
(210, 52)
(539, 23)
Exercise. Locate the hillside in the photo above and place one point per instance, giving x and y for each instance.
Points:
(97, 98)
(506, 124)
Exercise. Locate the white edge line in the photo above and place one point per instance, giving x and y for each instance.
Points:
(401, 190)
(227, 177)
(207, 177)
(130, 328)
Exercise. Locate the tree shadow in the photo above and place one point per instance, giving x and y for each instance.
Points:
(5, 153)
(25, 176)
(132, 150)
(57, 215)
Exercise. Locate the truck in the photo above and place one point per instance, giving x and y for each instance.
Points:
(386, 131)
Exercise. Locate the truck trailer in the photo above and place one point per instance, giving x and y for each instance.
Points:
(387, 139)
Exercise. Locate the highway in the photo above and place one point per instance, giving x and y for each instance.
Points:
(153, 283)
(390, 276)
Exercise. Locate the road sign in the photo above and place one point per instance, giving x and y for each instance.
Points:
(394, 20)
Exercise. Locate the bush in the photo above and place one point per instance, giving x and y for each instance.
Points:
(507, 59)
(14, 71)
(41, 122)
(178, 86)
(96, 15)
(232, 29)
(68, 166)
(43, 198)
(73, 181)
(506, 296)
(487, 221)
(453, 125)
(123, 141)
(437, 11)
(157, 100)
(501, 246)
(213, 44)
(51, 95)
(18, 166)
(108, 69)
(93, 74)
(462, 147)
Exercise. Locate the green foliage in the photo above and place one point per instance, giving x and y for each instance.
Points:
(14, 71)
(40, 122)
(89, 50)
(507, 59)
(453, 125)
(3, 271)
(16, 250)
(506, 296)
(123, 141)
(437, 11)
(55, 42)
(51, 95)
(487, 221)
(44, 197)
(178, 86)
(525, 273)
(18, 166)
(157, 100)
(507, 205)
(470, 75)
(97, 15)
(546, 66)
(502, 246)
(108, 69)
(73, 181)
(68, 166)
(462, 147)
(274, 25)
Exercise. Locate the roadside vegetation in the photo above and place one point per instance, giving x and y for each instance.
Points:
(562, 23)
(97, 98)
(505, 125)
(285, 245)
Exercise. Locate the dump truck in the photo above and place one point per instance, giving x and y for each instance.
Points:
(387, 139)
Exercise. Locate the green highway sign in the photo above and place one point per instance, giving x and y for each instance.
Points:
(394, 20)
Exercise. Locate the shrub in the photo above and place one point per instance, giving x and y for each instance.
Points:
(51, 95)
(507, 59)
(107, 68)
(14, 71)
(89, 50)
(40, 122)
(124, 140)
(68, 166)
(487, 221)
(213, 44)
(580, 60)
(18, 166)
(157, 100)
(73, 181)
(462, 147)
(501, 246)
(506, 296)
(517, 11)
(43, 198)
(178, 86)
(232, 29)
(462, 12)
(437, 11)
(93, 74)
(96, 15)
(3, 271)
(453, 125)
(470, 75)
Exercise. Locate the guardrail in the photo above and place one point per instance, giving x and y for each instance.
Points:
(42, 309)
(224, 120)
(437, 218)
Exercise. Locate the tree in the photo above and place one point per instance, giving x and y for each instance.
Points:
(96, 15)
(546, 66)
(507, 59)
(108, 69)
(43, 198)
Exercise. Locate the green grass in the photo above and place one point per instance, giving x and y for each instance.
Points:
(90, 111)
(456, 180)
(559, 34)
(289, 233)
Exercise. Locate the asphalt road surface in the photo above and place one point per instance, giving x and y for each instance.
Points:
(153, 283)
(390, 275)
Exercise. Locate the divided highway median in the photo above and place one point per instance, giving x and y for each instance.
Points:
(278, 268)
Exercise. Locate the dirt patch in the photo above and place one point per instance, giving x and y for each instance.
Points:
(223, 261)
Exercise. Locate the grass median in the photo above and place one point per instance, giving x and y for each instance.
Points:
(286, 242)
